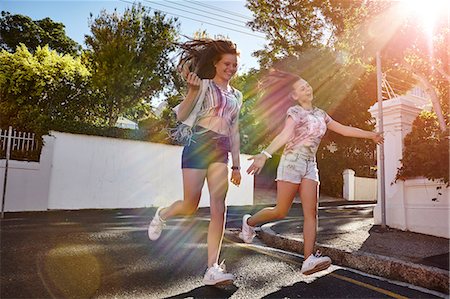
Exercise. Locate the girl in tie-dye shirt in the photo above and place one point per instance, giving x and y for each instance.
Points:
(304, 127)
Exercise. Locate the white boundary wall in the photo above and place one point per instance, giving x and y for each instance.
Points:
(410, 204)
(358, 188)
(28, 182)
(91, 172)
(427, 208)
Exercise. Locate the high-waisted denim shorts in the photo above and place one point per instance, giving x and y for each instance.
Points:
(295, 166)
(206, 147)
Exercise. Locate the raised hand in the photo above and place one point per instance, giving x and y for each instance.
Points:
(184, 69)
(193, 80)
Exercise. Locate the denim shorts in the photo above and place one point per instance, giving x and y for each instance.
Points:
(295, 166)
(206, 147)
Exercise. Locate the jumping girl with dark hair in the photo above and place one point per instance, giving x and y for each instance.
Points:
(213, 105)
(304, 127)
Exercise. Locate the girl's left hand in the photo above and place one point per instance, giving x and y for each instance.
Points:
(236, 177)
(378, 138)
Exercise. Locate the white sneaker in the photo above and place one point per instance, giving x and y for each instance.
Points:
(315, 263)
(217, 275)
(156, 226)
(248, 232)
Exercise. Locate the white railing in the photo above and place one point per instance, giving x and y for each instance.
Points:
(20, 141)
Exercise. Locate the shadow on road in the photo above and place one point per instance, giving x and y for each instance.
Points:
(208, 292)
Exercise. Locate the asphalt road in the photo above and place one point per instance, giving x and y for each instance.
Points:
(106, 254)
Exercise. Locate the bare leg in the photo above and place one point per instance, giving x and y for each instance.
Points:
(308, 193)
(285, 195)
(193, 180)
(218, 186)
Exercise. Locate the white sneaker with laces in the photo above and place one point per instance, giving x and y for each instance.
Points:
(156, 226)
(248, 232)
(217, 275)
(315, 263)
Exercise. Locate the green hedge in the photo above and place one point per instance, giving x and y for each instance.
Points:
(426, 151)
(156, 134)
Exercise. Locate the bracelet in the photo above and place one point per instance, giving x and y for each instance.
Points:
(235, 167)
(265, 153)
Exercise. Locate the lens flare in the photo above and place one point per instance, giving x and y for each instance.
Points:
(426, 11)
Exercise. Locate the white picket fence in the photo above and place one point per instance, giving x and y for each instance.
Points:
(18, 141)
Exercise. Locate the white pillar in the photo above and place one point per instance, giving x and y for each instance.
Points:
(349, 184)
(398, 115)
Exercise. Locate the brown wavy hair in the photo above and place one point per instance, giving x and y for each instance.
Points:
(276, 87)
(200, 55)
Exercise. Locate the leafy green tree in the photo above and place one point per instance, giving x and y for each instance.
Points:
(427, 66)
(410, 52)
(17, 29)
(130, 57)
(38, 88)
(251, 130)
(293, 27)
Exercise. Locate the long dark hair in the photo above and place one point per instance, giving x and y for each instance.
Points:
(200, 55)
(276, 87)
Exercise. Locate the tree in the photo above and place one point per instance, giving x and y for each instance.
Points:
(293, 27)
(44, 86)
(410, 52)
(429, 67)
(251, 130)
(16, 29)
(130, 57)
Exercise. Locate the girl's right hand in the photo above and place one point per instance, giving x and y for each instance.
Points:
(193, 81)
(378, 138)
(258, 163)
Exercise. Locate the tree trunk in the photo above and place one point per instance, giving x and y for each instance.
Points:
(429, 89)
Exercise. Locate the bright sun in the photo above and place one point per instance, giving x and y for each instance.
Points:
(426, 11)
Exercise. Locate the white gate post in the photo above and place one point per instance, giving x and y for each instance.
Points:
(349, 184)
(5, 178)
(399, 113)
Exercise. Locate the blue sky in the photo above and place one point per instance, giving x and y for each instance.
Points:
(211, 16)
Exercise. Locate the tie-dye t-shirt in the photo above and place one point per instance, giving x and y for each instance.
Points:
(310, 127)
(222, 103)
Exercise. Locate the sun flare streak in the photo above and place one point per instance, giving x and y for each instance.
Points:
(426, 11)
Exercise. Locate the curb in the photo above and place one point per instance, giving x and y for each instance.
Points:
(420, 275)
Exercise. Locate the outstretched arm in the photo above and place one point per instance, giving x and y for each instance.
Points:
(280, 140)
(355, 132)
